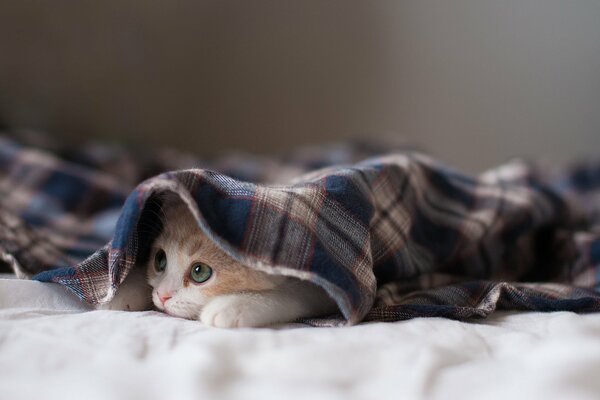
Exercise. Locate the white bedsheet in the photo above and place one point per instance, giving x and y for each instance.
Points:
(51, 348)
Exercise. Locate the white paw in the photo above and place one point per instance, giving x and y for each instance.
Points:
(126, 303)
(233, 311)
(129, 298)
(133, 295)
(115, 305)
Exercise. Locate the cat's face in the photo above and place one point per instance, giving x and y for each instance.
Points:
(186, 269)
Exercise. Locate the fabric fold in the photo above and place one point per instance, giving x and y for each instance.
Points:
(393, 237)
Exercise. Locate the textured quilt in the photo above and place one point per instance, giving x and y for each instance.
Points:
(395, 236)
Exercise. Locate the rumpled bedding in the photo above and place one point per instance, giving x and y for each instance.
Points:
(392, 237)
(51, 349)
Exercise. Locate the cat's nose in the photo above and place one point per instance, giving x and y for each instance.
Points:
(164, 297)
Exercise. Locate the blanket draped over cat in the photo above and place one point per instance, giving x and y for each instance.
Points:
(392, 237)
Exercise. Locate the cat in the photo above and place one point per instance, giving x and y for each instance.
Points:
(189, 276)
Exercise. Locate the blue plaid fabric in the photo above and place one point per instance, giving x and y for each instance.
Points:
(393, 237)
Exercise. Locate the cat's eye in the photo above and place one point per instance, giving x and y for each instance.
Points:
(160, 261)
(200, 272)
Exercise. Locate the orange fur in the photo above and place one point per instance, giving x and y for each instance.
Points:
(235, 295)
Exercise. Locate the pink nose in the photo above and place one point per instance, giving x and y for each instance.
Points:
(164, 297)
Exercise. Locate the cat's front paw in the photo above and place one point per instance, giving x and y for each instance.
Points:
(132, 296)
(127, 300)
(233, 311)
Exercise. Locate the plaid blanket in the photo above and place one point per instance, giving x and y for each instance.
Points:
(392, 237)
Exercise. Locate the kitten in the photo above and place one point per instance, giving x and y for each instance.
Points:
(191, 277)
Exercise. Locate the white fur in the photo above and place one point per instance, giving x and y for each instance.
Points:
(133, 294)
(290, 301)
(235, 295)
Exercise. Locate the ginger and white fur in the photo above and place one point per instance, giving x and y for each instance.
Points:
(234, 296)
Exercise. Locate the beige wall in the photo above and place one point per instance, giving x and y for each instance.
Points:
(474, 81)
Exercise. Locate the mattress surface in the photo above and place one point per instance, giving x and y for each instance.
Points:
(53, 347)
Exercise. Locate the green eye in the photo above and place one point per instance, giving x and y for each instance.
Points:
(160, 261)
(200, 272)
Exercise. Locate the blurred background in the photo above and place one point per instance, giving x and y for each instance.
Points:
(472, 81)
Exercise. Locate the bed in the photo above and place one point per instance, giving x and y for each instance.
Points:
(53, 347)
(60, 210)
